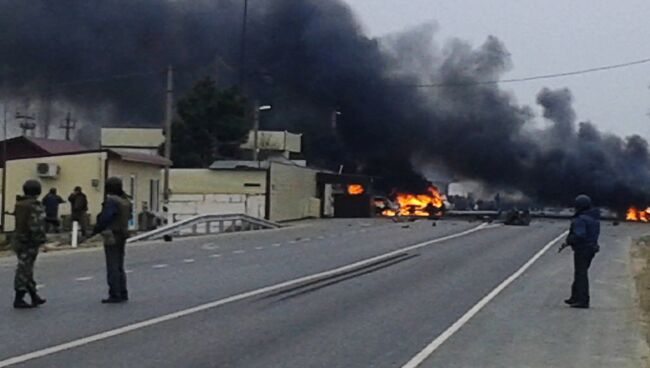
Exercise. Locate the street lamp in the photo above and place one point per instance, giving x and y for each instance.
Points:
(256, 127)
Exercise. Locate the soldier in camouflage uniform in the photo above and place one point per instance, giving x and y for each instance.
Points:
(28, 237)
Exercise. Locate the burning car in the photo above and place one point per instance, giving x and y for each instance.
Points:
(430, 204)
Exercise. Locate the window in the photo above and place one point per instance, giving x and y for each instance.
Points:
(154, 195)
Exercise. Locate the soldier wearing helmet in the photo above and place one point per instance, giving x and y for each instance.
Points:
(583, 239)
(113, 224)
(28, 237)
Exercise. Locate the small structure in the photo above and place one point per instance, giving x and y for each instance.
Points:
(138, 140)
(277, 190)
(274, 144)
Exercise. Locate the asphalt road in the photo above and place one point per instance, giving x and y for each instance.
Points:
(366, 293)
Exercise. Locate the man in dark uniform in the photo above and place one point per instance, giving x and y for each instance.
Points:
(29, 235)
(113, 224)
(79, 208)
(51, 202)
(583, 239)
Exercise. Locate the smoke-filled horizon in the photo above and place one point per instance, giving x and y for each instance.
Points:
(311, 58)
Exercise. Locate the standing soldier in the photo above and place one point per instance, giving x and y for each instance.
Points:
(79, 208)
(28, 237)
(113, 224)
(583, 239)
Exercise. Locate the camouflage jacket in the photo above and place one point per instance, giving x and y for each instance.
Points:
(30, 223)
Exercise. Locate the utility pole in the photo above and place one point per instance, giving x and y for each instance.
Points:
(242, 51)
(169, 107)
(4, 168)
(70, 125)
(27, 124)
(256, 131)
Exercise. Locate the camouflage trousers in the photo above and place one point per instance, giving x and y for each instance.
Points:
(24, 279)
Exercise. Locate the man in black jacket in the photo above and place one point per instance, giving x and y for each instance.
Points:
(113, 224)
(583, 239)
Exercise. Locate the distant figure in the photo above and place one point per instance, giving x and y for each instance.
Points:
(113, 224)
(79, 208)
(583, 239)
(29, 235)
(51, 202)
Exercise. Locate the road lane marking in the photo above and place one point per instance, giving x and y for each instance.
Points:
(449, 332)
(321, 237)
(128, 271)
(215, 255)
(306, 239)
(217, 303)
(85, 278)
(209, 246)
(162, 265)
(239, 251)
(293, 242)
(259, 248)
(276, 245)
(188, 260)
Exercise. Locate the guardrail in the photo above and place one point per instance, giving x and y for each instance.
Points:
(207, 224)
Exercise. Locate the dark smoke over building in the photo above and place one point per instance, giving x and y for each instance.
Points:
(310, 58)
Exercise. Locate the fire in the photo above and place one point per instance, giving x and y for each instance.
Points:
(356, 189)
(418, 205)
(634, 214)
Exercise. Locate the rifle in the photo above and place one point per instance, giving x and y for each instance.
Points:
(564, 245)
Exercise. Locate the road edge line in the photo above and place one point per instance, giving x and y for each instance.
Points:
(425, 353)
(217, 303)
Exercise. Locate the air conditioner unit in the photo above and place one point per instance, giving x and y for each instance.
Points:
(47, 170)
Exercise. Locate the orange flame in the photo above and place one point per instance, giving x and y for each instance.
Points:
(356, 189)
(634, 214)
(419, 205)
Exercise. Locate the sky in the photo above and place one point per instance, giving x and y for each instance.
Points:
(544, 37)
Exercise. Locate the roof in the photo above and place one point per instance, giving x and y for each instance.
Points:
(142, 158)
(53, 146)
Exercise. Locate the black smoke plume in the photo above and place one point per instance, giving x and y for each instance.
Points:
(310, 58)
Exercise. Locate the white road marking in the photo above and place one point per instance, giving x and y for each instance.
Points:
(85, 278)
(276, 245)
(128, 271)
(449, 332)
(209, 246)
(188, 260)
(293, 242)
(215, 255)
(217, 303)
(239, 251)
(259, 248)
(162, 265)
(306, 239)
(321, 237)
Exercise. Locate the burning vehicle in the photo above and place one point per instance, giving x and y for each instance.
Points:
(430, 204)
(635, 215)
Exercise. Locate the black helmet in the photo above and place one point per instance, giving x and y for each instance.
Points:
(114, 186)
(32, 188)
(582, 202)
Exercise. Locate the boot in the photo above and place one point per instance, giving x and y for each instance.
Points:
(19, 302)
(36, 300)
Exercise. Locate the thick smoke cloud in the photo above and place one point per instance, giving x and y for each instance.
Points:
(310, 58)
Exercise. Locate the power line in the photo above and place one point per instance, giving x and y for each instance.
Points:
(537, 77)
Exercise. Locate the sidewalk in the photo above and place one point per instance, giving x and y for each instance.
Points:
(528, 325)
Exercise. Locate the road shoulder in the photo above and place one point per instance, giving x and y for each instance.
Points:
(528, 325)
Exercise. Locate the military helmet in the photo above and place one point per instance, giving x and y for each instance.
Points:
(32, 188)
(114, 186)
(582, 202)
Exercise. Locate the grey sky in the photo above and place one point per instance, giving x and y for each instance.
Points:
(547, 36)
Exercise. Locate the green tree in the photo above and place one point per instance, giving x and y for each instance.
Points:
(212, 124)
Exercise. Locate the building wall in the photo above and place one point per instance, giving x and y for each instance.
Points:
(139, 176)
(76, 170)
(293, 193)
(202, 191)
